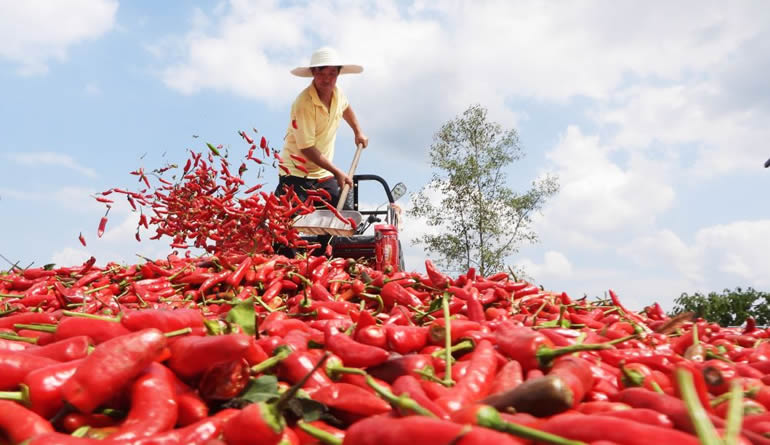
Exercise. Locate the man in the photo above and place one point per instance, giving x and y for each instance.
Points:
(315, 117)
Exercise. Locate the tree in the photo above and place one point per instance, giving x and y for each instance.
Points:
(480, 220)
(729, 308)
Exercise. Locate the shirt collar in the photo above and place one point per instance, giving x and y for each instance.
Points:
(317, 100)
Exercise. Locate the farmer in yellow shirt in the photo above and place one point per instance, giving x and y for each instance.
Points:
(315, 117)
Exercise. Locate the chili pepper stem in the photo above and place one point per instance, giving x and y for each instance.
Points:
(734, 415)
(322, 436)
(546, 355)
(268, 363)
(489, 417)
(622, 339)
(9, 336)
(92, 316)
(537, 312)
(178, 332)
(462, 346)
(288, 395)
(705, 430)
(447, 340)
(403, 401)
(36, 327)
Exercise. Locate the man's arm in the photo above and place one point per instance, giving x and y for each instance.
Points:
(350, 118)
(313, 155)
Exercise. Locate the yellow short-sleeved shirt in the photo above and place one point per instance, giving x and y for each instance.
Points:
(311, 124)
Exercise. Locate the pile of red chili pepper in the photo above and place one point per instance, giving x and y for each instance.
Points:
(207, 206)
(246, 346)
(263, 349)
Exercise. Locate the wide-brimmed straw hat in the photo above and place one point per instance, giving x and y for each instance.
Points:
(326, 57)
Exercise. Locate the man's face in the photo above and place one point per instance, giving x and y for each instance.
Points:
(325, 78)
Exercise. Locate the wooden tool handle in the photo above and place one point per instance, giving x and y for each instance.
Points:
(346, 187)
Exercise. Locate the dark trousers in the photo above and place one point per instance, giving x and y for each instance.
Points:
(302, 184)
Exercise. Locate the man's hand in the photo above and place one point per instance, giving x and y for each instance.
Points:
(343, 179)
(362, 139)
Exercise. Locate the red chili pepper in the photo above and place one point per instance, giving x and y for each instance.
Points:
(670, 406)
(406, 339)
(236, 276)
(298, 365)
(163, 320)
(72, 348)
(15, 366)
(256, 420)
(82, 239)
(247, 138)
(531, 349)
(224, 381)
(593, 428)
(191, 356)
(351, 399)
(392, 293)
(20, 424)
(112, 365)
(642, 415)
(508, 377)
(102, 226)
(356, 354)
(153, 405)
(43, 388)
(382, 430)
(478, 379)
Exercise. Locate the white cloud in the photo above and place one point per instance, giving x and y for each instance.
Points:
(739, 251)
(555, 265)
(51, 158)
(598, 195)
(486, 52)
(32, 32)
(726, 139)
(70, 256)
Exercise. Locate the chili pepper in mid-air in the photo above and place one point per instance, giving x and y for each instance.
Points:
(102, 226)
(82, 239)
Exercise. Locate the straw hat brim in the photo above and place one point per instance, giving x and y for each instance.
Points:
(304, 71)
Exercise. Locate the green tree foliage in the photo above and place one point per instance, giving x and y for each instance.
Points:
(728, 308)
(479, 220)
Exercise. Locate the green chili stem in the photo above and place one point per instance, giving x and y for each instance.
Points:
(490, 418)
(403, 401)
(463, 345)
(447, 340)
(734, 415)
(92, 316)
(42, 327)
(178, 332)
(323, 436)
(622, 339)
(272, 361)
(9, 336)
(705, 430)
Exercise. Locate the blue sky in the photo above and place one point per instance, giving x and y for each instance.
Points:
(653, 116)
